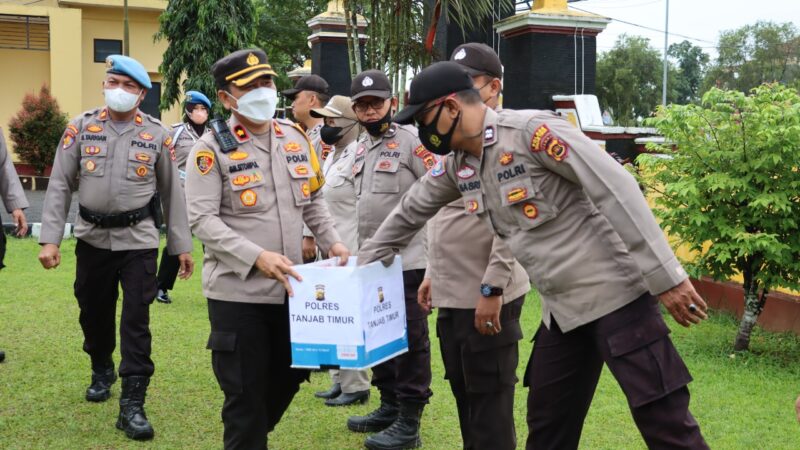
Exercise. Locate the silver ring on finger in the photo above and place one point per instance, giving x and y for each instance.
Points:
(489, 324)
(692, 308)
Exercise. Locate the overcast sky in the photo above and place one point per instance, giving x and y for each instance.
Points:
(700, 19)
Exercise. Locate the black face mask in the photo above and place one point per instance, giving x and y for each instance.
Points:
(379, 127)
(331, 135)
(432, 140)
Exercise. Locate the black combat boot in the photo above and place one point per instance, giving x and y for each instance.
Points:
(132, 418)
(103, 377)
(377, 420)
(403, 433)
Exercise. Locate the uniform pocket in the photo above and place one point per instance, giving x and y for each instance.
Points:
(93, 159)
(141, 164)
(247, 191)
(644, 361)
(384, 180)
(528, 206)
(226, 361)
(492, 363)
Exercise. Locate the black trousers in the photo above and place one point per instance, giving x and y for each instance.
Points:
(251, 358)
(168, 271)
(2, 244)
(408, 377)
(482, 374)
(98, 274)
(634, 343)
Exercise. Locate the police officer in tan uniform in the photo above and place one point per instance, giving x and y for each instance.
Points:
(14, 200)
(388, 160)
(248, 191)
(470, 285)
(183, 137)
(341, 130)
(576, 220)
(310, 91)
(119, 160)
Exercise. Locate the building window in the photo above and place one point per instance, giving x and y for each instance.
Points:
(151, 101)
(105, 47)
(24, 32)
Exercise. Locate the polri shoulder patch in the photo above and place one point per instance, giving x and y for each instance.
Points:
(204, 161)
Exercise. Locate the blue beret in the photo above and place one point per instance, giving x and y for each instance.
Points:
(198, 98)
(125, 65)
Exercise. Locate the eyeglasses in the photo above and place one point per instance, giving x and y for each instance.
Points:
(421, 115)
(363, 106)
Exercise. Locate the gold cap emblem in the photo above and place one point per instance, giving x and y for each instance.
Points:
(252, 59)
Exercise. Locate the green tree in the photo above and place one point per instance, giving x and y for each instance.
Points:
(692, 63)
(200, 32)
(749, 56)
(397, 31)
(729, 189)
(37, 128)
(282, 33)
(629, 79)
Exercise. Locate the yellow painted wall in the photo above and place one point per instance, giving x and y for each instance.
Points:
(69, 67)
(106, 23)
(17, 83)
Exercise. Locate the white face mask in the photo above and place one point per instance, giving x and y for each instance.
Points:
(120, 100)
(257, 105)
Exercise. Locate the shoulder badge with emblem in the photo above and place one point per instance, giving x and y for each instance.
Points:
(277, 128)
(138, 119)
(204, 160)
(465, 172)
(439, 169)
(240, 133)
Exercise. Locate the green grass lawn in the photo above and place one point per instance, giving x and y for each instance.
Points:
(743, 401)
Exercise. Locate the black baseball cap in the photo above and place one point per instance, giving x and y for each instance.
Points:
(435, 81)
(314, 83)
(370, 82)
(241, 67)
(478, 59)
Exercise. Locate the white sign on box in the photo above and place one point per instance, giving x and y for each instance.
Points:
(353, 317)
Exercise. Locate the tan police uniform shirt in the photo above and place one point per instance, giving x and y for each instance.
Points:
(571, 215)
(252, 199)
(384, 169)
(11, 193)
(183, 138)
(115, 171)
(340, 194)
(462, 254)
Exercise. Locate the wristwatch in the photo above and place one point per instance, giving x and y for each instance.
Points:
(487, 290)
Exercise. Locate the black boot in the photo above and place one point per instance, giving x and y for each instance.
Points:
(403, 433)
(132, 418)
(2, 356)
(102, 379)
(333, 392)
(377, 420)
(346, 399)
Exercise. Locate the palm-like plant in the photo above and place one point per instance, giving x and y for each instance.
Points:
(398, 31)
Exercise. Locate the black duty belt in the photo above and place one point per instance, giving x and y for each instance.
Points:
(119, 220)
